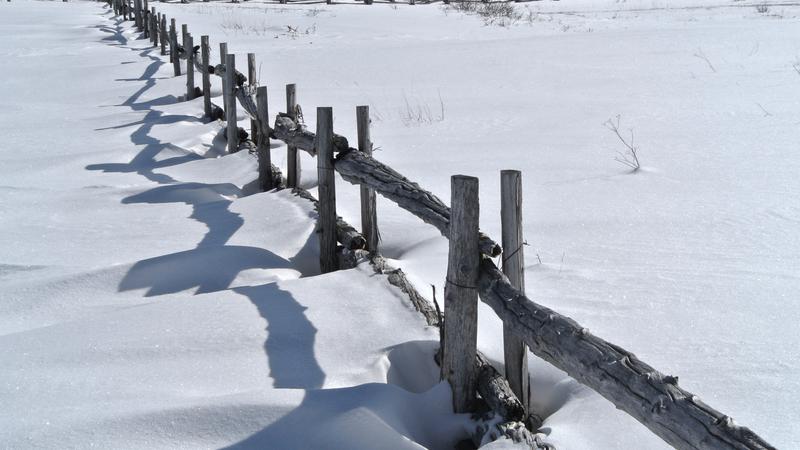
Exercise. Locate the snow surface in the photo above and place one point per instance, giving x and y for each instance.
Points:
(137, 274)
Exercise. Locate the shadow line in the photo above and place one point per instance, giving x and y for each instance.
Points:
(213, 265)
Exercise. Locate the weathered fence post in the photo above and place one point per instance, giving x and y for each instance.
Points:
(205, 54)
(292, 157)
(223, 54)
(145, 19)
(369, 215)
(142, 18)
(137, 14)
(189, 46)
(154, 19)
(230, 104)
(265, 180)
(173, 48)
(252, 79)
(514, 349)
(143, 12)
(184, 33)
(327, 190)
(461, 295)
(164, 35)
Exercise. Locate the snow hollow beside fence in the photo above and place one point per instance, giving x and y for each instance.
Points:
(138, 277)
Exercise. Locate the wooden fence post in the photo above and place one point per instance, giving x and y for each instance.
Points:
(252, 79)
(173, 48)
(144, 32)
(145, 20)
(164, 35)
(265, 180)
(154, 19)
(137, 14)
(205, 54)
(369, 215)
(189, 46)
(223, 54)
(327, 191)
(514, 349)
(184, 33)
(461, 295)
(292, 157)
(230, 106)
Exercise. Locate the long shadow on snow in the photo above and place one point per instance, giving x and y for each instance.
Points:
(212, 266)
(116, 32)
(290, 337)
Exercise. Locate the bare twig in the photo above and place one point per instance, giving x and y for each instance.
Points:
(630, 157)
(703, 56)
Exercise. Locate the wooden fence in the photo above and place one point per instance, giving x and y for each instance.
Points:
(654, 399)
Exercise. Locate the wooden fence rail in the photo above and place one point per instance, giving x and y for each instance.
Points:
(654, 399)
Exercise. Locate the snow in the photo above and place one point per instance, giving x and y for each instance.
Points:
(150, 298)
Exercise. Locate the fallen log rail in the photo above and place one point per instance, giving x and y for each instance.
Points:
(361, 169)
(654, 399)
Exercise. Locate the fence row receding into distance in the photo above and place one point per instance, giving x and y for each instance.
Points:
(654, 399)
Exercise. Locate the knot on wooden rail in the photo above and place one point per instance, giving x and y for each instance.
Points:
(240, 80)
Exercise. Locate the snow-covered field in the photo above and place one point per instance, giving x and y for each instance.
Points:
(148, 300)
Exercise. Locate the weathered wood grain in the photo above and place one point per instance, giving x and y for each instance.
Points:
(460, 294)
(265, 181)
(223, 53)
(358, 168)
(230, 104)
(292, 157)
(328, 261)
(189, 45)
(514, 351)
(164, 35)
(654, 399)
(205, 60)
(369, 214)
(253, 82)
(173, 49)
(299, 137)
